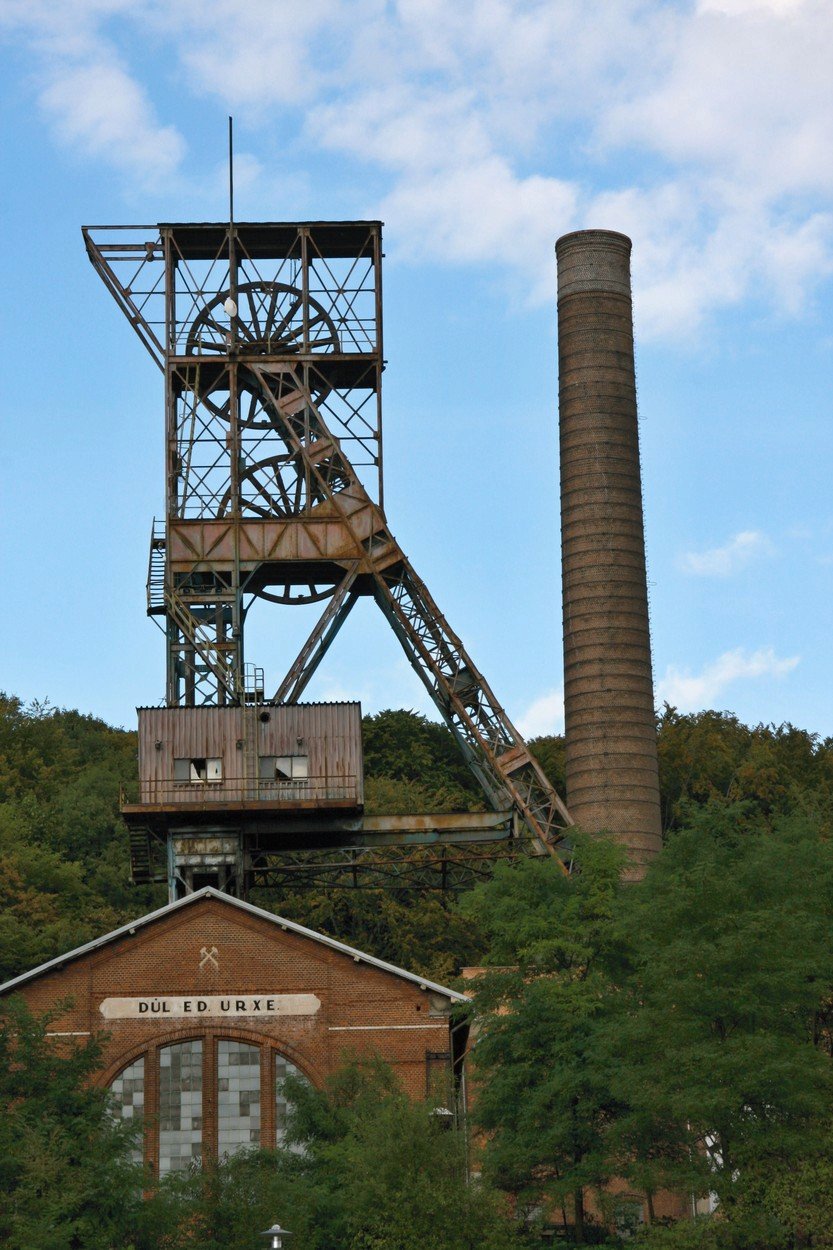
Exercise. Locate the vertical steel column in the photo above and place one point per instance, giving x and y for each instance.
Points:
(235, 468)
(377, 276)
(172, 635)
(611, 756)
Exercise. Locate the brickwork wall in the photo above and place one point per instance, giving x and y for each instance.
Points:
(610, 731)
(364, 1010)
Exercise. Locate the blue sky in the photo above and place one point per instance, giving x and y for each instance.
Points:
(478, 131)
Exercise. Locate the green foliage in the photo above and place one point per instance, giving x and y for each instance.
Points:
(369, 1169)
(798, 1199)
(674, 1033)
(391, 796)
(403, 746)
(549, 750)
(226, 1205)
(64, 859)
(732, 965)
(544, 1077)
(711, 757)
(414, 929)
(395, 1176)
(66, 1180)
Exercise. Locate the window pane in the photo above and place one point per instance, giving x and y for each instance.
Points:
(292, 767)
(283, 1107)
(128, 1091)
(214, 770)
(180, 1106)
(238, 1097)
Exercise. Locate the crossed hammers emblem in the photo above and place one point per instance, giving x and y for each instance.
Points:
(208, 958)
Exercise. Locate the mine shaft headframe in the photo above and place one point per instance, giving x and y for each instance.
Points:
(265, 349)
(306, 292)
(212, 302)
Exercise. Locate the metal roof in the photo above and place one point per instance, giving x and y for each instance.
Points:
(208, 891)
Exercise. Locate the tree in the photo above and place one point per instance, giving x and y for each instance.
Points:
(395, 1175)
(675, 1032)
(224, 1205)
(368, 1169)
(64, 857)
(66, 1178)
(412, 928)
(724, 1033)
(404, 746)
(711, 757)
(544, 1086)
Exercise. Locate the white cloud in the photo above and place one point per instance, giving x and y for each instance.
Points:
(480, 211)
(258, 54)
(746, 96)
(99, 109)
(692, 692)
(705, 131)
(734, 8)
(467, 92)
(95, 106)
(738, 552)
(544, 716)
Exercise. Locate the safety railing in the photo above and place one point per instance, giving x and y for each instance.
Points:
(289, 791)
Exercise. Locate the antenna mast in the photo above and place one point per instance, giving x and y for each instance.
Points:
(231, 174)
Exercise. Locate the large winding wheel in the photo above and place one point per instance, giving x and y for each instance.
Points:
(270, 319)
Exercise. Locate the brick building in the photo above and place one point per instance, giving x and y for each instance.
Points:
(210, 1002)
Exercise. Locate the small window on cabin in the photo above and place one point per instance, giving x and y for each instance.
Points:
(198, 770)
(284, 767)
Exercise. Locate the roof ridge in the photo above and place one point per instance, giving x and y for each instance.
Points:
(208, 891)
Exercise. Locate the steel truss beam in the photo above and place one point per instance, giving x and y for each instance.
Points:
(447, 870)
(316, 646)
(493, 748)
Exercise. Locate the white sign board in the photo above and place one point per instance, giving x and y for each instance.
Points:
(210, 1005)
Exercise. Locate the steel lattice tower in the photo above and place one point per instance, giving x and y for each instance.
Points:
(269, 336)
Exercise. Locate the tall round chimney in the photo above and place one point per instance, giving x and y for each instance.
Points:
(611, 743)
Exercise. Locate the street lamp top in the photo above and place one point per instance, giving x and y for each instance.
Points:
(276, 1235)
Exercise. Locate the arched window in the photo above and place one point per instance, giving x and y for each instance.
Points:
(213, 1095)
(180, 1106)
(238, 1096)
(283, 1108)
(128, 1092)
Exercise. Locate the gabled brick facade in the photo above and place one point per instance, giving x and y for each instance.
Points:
(212, 970)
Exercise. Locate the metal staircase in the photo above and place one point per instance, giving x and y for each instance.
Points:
(141, 858)
(156, 569)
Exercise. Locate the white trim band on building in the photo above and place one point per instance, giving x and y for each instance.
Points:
(377, 1028)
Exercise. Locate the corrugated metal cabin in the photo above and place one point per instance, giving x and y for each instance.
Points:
(290, 757)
